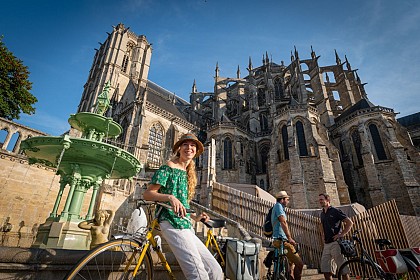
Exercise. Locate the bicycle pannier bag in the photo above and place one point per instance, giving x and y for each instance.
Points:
(242, 260)
(347, 248)
(391, 261)
(268, 226)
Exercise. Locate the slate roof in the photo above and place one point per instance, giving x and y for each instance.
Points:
(163, 98)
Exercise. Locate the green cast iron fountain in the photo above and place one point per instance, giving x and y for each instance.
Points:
(82, 163)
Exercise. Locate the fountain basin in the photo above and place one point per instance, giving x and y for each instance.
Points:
(85, 121)
(94, 159)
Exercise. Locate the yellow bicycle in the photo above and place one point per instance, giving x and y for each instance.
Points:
(128, 256)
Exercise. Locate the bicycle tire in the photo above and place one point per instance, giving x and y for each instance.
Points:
(360, 270)
(109, 260)
(281, 269)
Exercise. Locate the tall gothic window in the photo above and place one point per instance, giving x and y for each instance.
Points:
(263, 122)
(303, 150)
(227, 154)
(264, 158)
(278, 89)
(357, 142)
(124, 125)
(125, 63)
(155, 146)
(261, 97)
(285, 139)
(377, 142)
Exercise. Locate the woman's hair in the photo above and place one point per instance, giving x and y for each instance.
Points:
(192, 179)
(191, 175)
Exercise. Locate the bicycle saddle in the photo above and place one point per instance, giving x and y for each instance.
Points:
(215, 223)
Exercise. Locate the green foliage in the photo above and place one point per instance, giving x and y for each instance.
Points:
(15, 97)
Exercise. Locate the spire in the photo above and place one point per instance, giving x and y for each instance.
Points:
(291, 56)
(194, 87)
(266, 58)
(313, 55)
(337, 59)
(217, 69)
(347, 63)
(249, 64)
(296, 53)
(174, 98)
(263, 59)
(238, 73)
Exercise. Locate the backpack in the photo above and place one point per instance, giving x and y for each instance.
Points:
(268, 226)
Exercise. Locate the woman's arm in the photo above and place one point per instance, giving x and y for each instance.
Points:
(152, 194)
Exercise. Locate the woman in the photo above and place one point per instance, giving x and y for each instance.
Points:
(175, 183)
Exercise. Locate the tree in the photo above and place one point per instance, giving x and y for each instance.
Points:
(15, 97)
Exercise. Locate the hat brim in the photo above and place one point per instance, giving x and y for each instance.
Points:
(199, 145)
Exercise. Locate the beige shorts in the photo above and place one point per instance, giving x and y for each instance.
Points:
(332, 251)
(291, 256)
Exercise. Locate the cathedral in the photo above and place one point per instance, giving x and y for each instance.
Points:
(298, 126)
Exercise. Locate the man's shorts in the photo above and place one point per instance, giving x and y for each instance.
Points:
(332, 251)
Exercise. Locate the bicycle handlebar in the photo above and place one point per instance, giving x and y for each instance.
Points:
(144, 202)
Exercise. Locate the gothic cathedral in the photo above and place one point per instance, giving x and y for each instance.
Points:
(303, 128)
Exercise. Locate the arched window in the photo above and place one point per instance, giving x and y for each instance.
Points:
(357, 142)
(155, 146)
(124, 125)
(124, 63)
(227, 154)
(377, 142)
(264, 158)
(278, 89)
(263, 122)
(285, 139)
(303, 150)
(261, 97)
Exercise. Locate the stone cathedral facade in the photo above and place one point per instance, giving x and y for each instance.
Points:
(299, 127)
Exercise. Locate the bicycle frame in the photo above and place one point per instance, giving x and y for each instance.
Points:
(150, 240)
(147, 241)
(366, 258)
(211, 241)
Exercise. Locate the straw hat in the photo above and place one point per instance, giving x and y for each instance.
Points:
(282, 194)
(189, 137)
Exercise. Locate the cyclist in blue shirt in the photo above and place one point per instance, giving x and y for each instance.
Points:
(282, 233)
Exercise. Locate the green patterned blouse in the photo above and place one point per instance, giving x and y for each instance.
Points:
(173, 181)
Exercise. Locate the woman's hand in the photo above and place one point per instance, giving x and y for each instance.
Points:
(203, 215)
(177, 206)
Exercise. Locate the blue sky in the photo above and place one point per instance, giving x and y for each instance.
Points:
(56, 40)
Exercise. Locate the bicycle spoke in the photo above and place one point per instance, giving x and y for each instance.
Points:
(113, 260)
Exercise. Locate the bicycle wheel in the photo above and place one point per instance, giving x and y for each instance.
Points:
(111, 259)
(281, 269)
(359, 270)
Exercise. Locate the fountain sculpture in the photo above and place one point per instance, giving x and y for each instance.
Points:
(82, 163)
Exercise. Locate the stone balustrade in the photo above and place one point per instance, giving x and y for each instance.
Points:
(12, 128)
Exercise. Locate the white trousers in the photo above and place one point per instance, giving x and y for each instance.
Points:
(193, 257)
